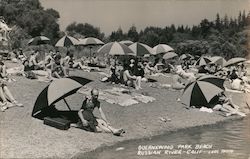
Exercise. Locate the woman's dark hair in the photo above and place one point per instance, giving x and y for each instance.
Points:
(126, 66)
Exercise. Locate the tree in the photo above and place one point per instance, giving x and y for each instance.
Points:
(205, 26)
(133, 34)
(218, 22)
(86, 30)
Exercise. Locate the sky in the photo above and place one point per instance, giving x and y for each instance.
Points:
(109, 15)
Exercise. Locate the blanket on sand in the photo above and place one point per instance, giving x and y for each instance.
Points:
(119, 96)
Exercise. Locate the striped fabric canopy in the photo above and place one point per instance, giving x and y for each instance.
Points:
(115, 48)
(126, 42)
(67, 41)
(141, 49)
(234, 61)
(169, 55)
(38, 40)
(218, 60)
(90, 41)
(200, 92)
(162, 48)
(202, 61)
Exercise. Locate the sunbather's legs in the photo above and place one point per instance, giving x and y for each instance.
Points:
(8, 94)
(2, 96)
(138, 81)
(105, 127)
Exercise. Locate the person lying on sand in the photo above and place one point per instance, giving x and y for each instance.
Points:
(227, 106)
(6, 97)
(91, 123)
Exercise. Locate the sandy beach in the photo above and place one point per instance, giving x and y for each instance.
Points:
(25, 137)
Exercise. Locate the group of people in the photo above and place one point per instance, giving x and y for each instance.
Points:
(130, 72)
(53, 65)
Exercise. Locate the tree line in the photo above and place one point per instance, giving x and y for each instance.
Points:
(223, 36)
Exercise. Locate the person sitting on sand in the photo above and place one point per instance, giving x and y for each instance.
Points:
(6, 97)
(48, 60)
(227, 106)
(33, 62)
(129, 79)
(57, 69)
(88, 121)
(148, 69)
(114, 74)
(3, 72)
(189, 76)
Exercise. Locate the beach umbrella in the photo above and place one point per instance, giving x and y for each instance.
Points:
(126, 42)
(185, 56)
(38, 40)
(141, 49)
(90, 41)
(116, 48)
(218, 60)
(66, 41)
(169, 55)
(202, 61)
(234, 61)
(200, 92)
(58, 90)
(219, 82)
(162, 48)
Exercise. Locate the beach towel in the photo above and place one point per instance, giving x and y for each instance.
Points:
(233, 91)
(120, 96)
(205, 109)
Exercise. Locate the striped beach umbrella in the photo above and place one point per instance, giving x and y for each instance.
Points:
(66, 41)
(200, 92)
(116, 48)
(141, 49)
(218, 60)
(90, 41)
(126, 42)
(234, 61)
(186, 56)
(38, 40)
(56, 91)
(169, 55)
(162, 48)
(202, 61)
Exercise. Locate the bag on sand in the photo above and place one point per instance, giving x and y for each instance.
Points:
(57, 122)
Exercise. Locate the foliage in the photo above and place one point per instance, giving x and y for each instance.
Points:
(30, 17)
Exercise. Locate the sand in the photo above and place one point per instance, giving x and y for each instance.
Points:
(25, 137)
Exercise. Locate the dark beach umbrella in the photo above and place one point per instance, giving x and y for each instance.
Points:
(219, 82)
(141, 49)
(200, 92)
(56, 91)
(67, 41)
(202, 61)
(234, 61)
(115, 48)
(39, 40)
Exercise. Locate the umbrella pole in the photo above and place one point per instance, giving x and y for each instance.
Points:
(66, 103)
